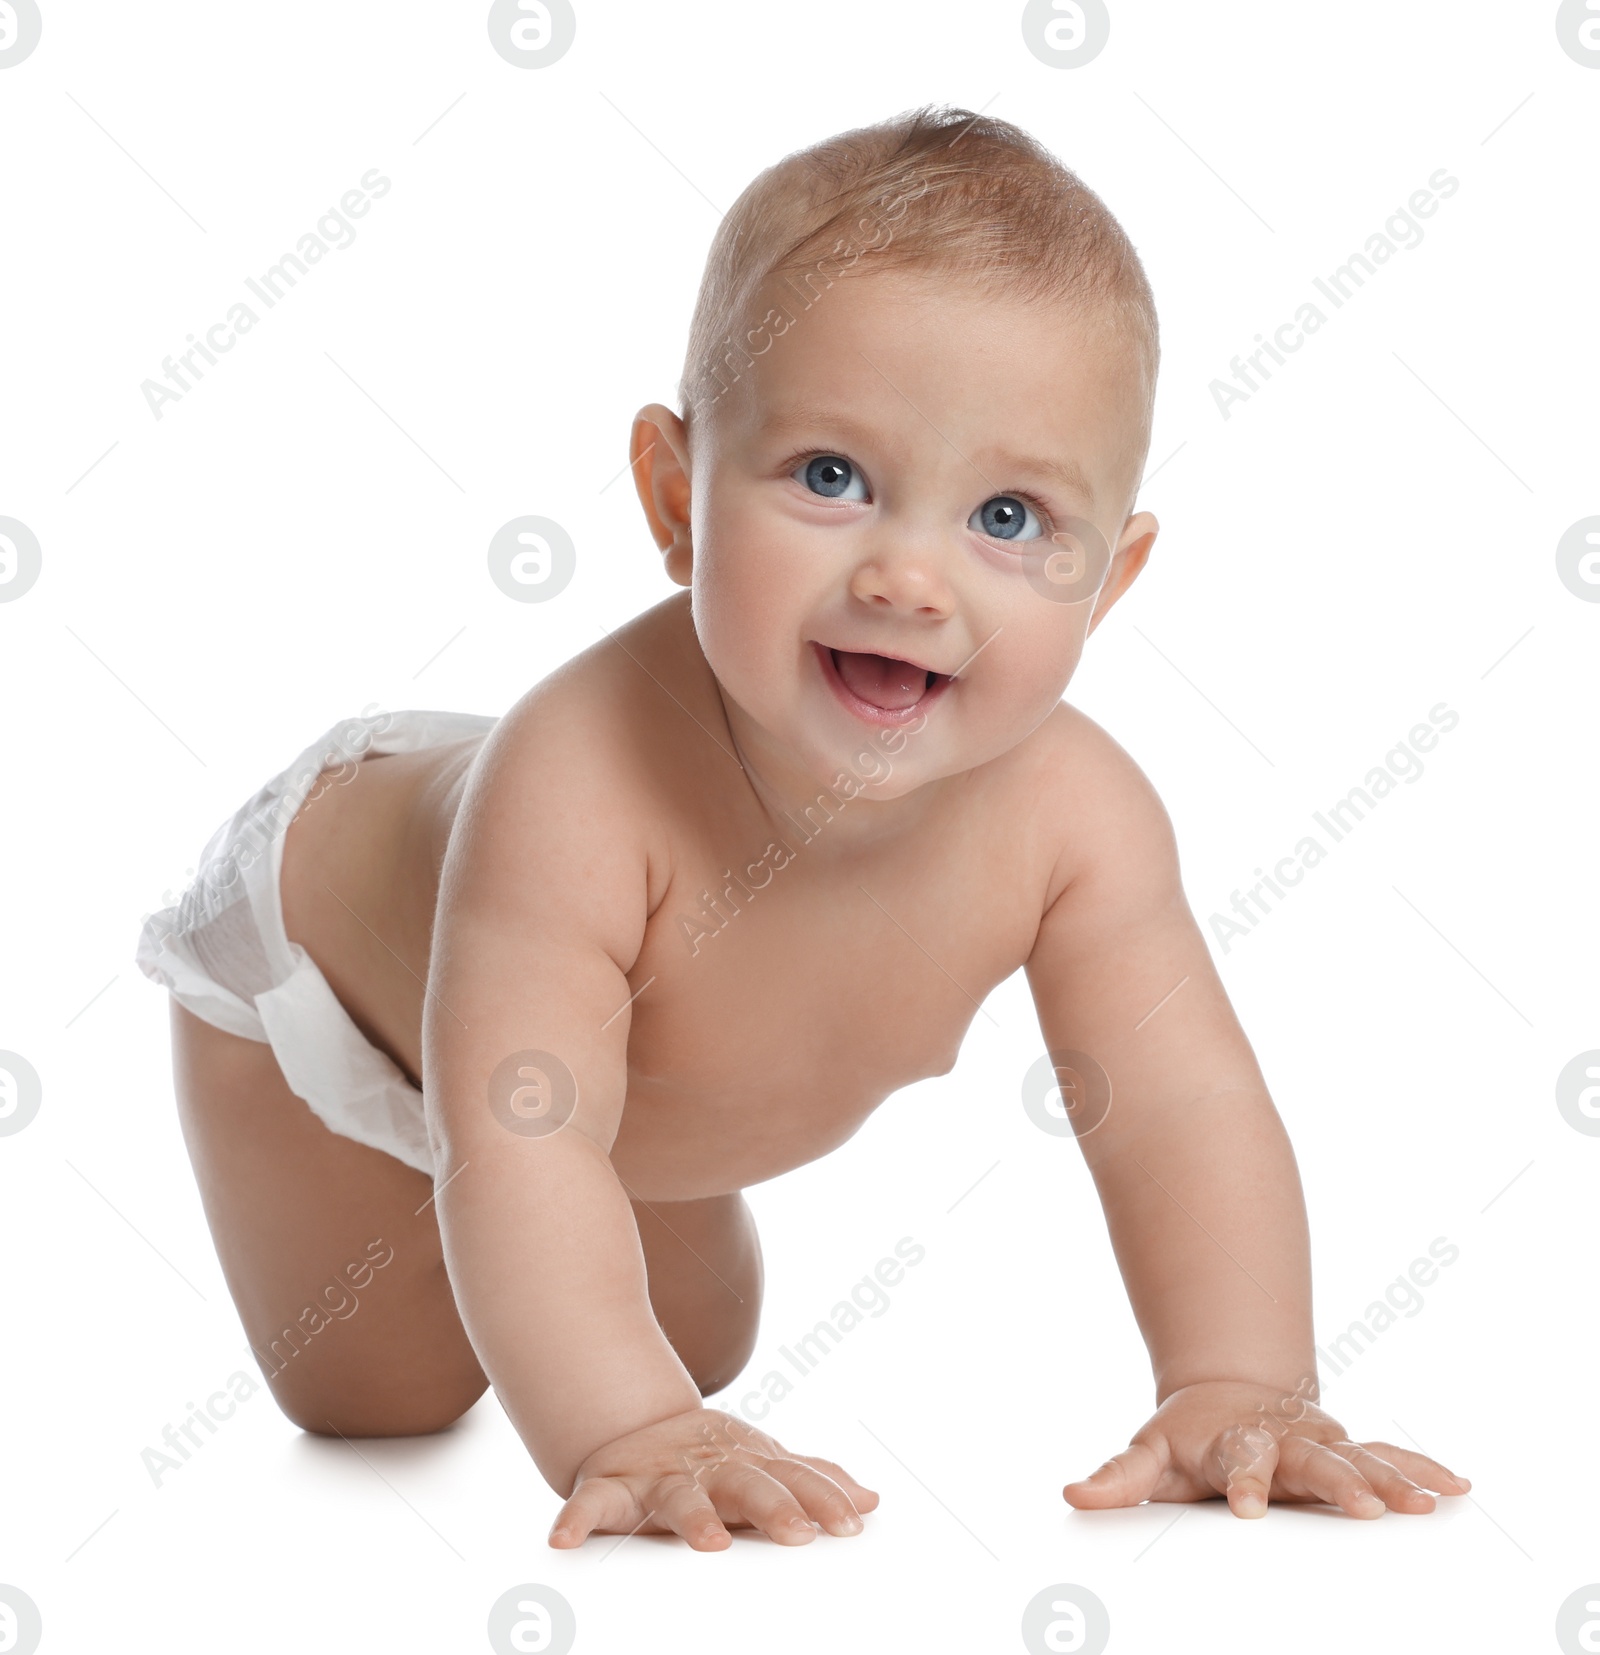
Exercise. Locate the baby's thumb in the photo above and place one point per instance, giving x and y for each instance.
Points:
(1124, 1480)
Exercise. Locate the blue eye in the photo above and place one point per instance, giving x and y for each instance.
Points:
(831, 476)
(1005, 517)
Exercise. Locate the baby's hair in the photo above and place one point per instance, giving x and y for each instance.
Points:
(936, 189)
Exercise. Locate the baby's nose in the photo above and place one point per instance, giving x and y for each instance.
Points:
(909, 575)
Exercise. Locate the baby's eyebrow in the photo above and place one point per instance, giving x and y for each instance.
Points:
(798, 418)
(1064, 471)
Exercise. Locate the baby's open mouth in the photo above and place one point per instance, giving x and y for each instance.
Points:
(880, 684)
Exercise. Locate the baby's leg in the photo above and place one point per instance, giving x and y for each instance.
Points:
(300, 1215)
(704, 1263)
(295, 1209)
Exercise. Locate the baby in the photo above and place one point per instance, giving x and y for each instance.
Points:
(516, 1009)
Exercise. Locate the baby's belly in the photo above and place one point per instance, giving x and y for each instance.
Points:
(679, 1144)
(743, 1069)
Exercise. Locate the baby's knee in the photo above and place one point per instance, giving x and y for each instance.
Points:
(716, 1344)
(326, 1407)
(718, 1357)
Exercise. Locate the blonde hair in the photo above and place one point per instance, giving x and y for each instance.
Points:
(936, 189)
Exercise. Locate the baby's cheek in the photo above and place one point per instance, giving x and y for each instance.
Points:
(1029, 679)
(736, 630)
(750, 600)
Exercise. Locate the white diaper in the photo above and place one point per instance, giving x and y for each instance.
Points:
(223, 953)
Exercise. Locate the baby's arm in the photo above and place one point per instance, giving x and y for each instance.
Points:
(543, 903)
(1196, 1175)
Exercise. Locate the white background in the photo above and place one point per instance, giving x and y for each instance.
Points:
(305, 534)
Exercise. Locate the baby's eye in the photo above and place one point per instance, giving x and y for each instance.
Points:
(832, 476)
(1006, 518)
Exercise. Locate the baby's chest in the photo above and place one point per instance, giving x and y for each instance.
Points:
(835, 988)
(778, 1003)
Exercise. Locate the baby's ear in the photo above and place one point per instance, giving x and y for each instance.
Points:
(1133, 551)
(658, 453)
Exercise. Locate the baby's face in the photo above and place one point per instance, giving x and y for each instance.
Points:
(890, 519)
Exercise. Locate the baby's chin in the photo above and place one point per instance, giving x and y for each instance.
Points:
(802, 752)
(880, 766)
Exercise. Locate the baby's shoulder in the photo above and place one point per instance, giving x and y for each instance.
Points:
(1101, 811)
(615, 713)
(1070, 752)
(579, 779)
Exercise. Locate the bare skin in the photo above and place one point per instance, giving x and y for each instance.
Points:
(291, 1203)
(618, 878)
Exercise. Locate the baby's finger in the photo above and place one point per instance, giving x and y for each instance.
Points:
(862, 1497)
(744, 1493)
(1420, 1469)
(820, 1496)
(596, 1503)
(1397, 1491)
(1245, 1461)
(1124, 1480)
(1313, 1471)
(685, 1507)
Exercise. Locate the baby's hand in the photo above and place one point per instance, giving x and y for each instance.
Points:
(696, 1471)
(1252, 1444)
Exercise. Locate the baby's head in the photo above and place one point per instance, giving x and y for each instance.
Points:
(916, 410)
